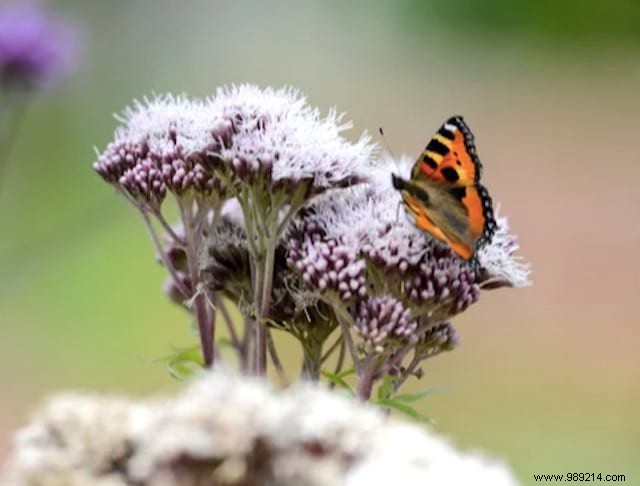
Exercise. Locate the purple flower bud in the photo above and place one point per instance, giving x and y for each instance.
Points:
(437, 339)
(161, 141)
(382, 321)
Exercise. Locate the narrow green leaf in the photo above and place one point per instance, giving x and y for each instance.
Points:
(338, 381)
(412, 397)
(405, 409)
(348, 372)
(183, 370)
(184, 363)
(178, 351)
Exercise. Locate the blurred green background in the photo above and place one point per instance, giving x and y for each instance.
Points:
(547, 377)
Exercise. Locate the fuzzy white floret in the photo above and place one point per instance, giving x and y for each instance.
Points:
(277, 126)
(303, 435)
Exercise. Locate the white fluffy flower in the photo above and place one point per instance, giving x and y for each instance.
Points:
(278, 128)
(227, 429)
(499, 259)
(166, 122)
(177, 143)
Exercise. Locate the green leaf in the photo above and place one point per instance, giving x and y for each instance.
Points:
(348, 372)
(182, 370)
(385, 390)
(184, 363)
(178, 352)
(338, 381)
(405, 409)
(412, 397)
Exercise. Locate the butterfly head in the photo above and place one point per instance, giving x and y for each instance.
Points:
(398, 182)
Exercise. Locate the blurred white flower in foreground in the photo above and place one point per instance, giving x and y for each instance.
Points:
(235, 431)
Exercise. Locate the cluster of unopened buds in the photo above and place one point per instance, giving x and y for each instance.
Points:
(283, 217)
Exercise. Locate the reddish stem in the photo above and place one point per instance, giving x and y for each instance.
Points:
(205, 328)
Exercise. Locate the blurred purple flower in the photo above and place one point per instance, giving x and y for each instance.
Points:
(37, 49)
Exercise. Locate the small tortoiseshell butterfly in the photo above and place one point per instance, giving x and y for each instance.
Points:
(444, 196)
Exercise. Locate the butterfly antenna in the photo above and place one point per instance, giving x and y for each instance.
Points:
(386, 143)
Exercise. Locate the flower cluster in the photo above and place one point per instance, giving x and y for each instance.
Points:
(299, 228)
(265, 152)
(242, 136)
(163, 146)
(347, 235)
(276, 135)
(36, 48)
(380, 319)
(438, 338)
(395, 285)
(326, 264)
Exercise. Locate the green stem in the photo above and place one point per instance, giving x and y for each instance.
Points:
(334, 346)
(170, 231)
(233, 335)
(312, 359)
(407, 372)
(341, 355)
(252, 329)
(265, 304)
(277, 364)
(345, 324)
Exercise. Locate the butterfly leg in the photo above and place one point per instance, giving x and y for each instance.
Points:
(400, 203)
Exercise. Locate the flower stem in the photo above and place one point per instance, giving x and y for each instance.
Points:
(206, 329)
(265, 304)
(178, 240)
(206, 326)
(407, 372)
(277, 364)
(163, 255)
(345, 324)
(334, 346)
(340, 362)
(365, 381)
(312, 361)
(219, 303)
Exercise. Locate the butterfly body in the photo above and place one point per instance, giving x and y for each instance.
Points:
(444, 196)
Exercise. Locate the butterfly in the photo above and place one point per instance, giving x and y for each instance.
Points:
(444, 196)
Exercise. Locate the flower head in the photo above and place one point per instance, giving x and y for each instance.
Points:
(437, 339)
(276, 135)
(354, 245)
(36, 48)
(161, 146)
(242, 135)
(380, 319)
(358, 246)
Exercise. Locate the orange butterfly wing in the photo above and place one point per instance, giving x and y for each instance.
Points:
(451, 161)
(479, 207)
(450, 156)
